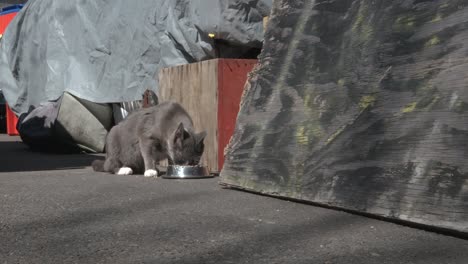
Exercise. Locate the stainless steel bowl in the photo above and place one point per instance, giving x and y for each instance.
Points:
(186, 172)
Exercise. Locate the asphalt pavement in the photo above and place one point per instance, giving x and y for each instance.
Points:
(55, 209)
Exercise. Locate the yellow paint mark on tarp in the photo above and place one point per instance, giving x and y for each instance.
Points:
(307, 100)
(341, 82)
(437, 18)
(433, 102)
(306, 133)
(301, 135)
(409, 107)
(405, 21)
(361, 26)
(336, 134)
(361, 16)
(315, 130)
(367, 101)
(433, 41)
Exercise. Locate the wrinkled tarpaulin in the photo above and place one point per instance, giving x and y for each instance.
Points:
(362, 105)
(110, 51)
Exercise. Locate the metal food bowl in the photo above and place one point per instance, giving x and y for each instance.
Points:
(186, 172)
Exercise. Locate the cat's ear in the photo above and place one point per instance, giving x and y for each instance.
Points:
(199, 145)
(200, 137)
(179, 134)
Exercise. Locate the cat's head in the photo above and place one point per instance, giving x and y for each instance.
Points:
(187, 147)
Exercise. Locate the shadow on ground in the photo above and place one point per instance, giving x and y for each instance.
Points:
(166, 242)
(16, 156)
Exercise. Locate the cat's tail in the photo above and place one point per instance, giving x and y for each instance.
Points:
(98, 165)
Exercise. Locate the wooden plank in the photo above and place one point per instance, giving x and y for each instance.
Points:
(195, 87)
(347, 111)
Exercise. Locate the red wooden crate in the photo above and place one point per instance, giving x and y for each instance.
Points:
(211, 92)
(232, 75)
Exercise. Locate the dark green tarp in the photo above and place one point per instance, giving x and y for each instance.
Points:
(360, 105)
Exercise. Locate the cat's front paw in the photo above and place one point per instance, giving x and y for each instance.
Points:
(125, 171)
(151, 173)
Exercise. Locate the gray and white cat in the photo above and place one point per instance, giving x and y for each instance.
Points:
(149, 135)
